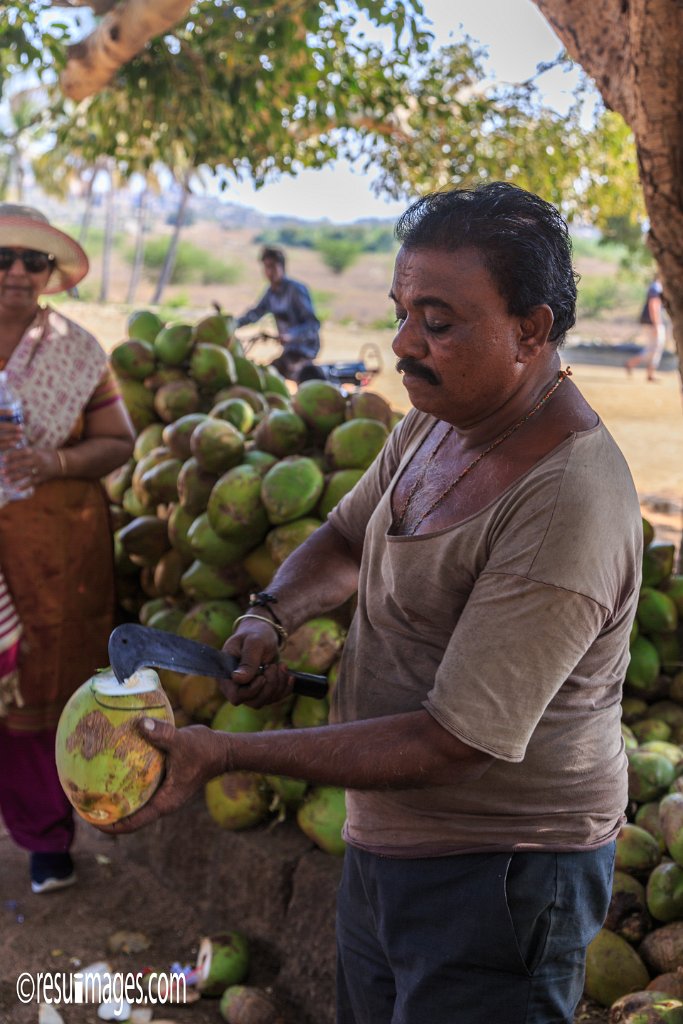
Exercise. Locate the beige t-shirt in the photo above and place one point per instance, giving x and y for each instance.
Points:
(512, 629)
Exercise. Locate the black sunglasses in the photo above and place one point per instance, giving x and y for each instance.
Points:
(35, 262)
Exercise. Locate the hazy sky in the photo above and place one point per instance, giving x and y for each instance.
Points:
(517, 38)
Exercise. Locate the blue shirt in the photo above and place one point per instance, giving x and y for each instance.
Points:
(292, 308)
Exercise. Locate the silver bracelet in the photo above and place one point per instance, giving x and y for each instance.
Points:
(282, 633)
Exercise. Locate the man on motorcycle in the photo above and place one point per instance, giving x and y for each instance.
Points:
(290, 303)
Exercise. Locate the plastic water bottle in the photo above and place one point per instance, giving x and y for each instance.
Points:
(11, 411)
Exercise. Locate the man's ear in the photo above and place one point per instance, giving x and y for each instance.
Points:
(534, 334)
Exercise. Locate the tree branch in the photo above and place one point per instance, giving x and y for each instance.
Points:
(121, 34)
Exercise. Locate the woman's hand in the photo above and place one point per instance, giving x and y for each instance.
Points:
(259, 680)
(30, 465)
(194, 755)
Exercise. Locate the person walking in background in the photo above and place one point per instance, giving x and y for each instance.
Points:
(291, 304)
(55, 543)
(652, 316)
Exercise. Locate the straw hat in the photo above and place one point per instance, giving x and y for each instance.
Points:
(27, 227)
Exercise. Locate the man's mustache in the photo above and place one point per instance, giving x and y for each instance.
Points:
(415, 369)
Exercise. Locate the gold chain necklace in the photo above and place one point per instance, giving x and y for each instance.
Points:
(402, 512)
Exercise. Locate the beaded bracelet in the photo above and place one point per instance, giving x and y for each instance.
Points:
(264, 600)
(282, 633)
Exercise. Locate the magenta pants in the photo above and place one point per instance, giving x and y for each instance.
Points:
(33, 806)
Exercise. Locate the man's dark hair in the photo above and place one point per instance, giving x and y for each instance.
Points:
(271, 252)
(523, 239)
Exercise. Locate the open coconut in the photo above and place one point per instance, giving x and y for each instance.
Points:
(106, 768)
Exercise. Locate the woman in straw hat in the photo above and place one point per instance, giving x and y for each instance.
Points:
(55, 546)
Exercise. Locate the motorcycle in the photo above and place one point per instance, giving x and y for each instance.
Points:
(355, 374)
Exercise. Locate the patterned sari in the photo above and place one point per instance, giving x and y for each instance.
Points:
(55, 547)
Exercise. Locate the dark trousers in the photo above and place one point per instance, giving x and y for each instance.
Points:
(494, 938)
(33, 805)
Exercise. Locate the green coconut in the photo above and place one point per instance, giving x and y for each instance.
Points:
(217, 445)
(208, 547)
(106, 767)
(244, 1004)
(321, 817)
(656, 612)
(173, 343)
(133, 358)
(369, 405)
(633, 708)
(673, 588)
(175, 400)
(671, 821)
(237, 800)
(648, 1007)
(260, 566)
(658, 563)
(221, 961)
(144, 324)
(310, 711)
(236, 411)
(649, 774)
(178, 524)
(284, 539)
(145, 540)
(643, 669)
(135, 506)
(247, 374)
(637, 851)
(168, 572)
(668, 647)
(167, 620)
(235, 509)
(240, 718)
(291, 489)
(212, 330)
(613, 969)
(628, 914)
(139, 401)
(647, 817)
(314, 646)
(321, 405)
(274, 382)
(118, 481)
(289, 792)
(281, 432)
(665, 892)
(647, 730)
(212, 366)
(210, 622)
(355, 444)
(337, 485)
(262, 461)
(160, 482)
(203, 582)
(194, 486)
(176, 435)
(199, 697)
(662, 949)
(148, 439)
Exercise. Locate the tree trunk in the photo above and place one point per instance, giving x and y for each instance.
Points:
(136, 272)
(634, 51)
(87, 212)
(169, 261)
(108, 241)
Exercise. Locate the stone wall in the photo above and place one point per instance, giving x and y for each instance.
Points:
(272, 884)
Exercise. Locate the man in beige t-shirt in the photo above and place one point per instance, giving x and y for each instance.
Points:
(495, 546)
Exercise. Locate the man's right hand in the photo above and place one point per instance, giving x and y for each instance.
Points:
(259, 679)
